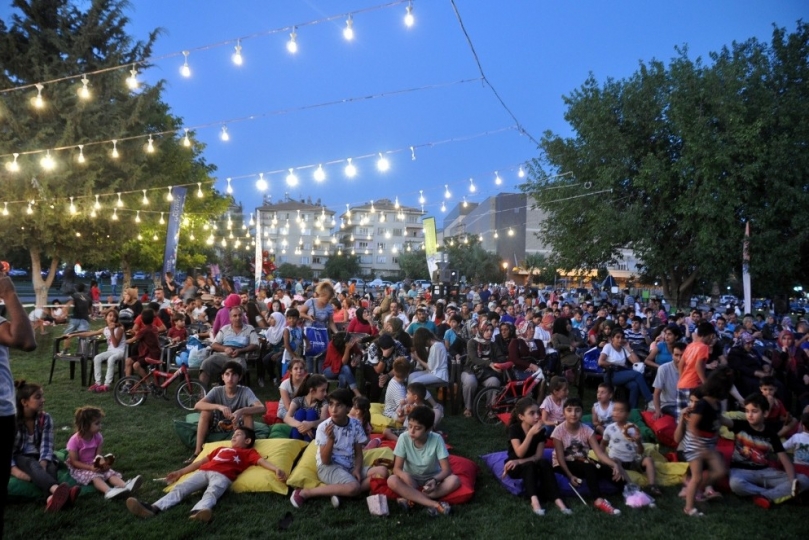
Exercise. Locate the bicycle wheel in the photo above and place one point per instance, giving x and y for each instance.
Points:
(189, 393)
(130, 392)
(485, 406)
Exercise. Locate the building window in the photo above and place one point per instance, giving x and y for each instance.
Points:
(363, 245)
(366, 259)
(395, 260)
(381, 231)
(304, 260)
(380, 245)
(397, 232)
(382, 259)
(362, 231)
(317, 260)
(281, 258)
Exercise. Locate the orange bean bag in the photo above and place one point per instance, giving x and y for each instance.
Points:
(465, 469)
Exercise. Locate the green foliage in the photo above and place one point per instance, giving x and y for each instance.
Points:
(672, 161)
(468, 257)
(413, 264)
(294, 271)
(342, 267)
(539, 268)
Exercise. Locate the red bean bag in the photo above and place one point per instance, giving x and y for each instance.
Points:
(271, 416)
(663, 428)
(465, 469)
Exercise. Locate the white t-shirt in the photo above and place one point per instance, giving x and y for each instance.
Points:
(604, 415)
(345, 437)
(799, 443)
(617, 358)
(286, 384)
(619, 448)
(545, 336)
(666, 380)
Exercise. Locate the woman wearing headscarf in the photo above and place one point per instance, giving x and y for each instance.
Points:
(789, 363)
(274, 334)
(563, 340)
(502, 341)
(478, 368)
(359, 324)
(525, 352)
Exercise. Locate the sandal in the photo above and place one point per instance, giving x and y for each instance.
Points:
(191, 459)
(467, 413)
(654, 490)
(710, 493)
(693, 513)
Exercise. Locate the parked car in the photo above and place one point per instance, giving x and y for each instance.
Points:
(423, 283)
(140, 275)
(17, 272)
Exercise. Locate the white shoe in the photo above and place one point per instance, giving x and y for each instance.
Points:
(335, 501)
(134, 484)
(116, 493)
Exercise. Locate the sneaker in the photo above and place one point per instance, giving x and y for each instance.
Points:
(102, 388)
(58, 499)
(140, 508)
(133, 485)
(75, 491)
(763, 502)
(94, 387)
(443, 510)
(650, 407)
(335, 501)
(567, 511)
(539, 511)
(373, 443)
(404, 504)
(297, 499)
(261, 382)
(116, 493)
(607, 508)
(205, 515)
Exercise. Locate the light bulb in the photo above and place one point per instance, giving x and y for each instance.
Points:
(396, 203)
(496, 235)
(408, 18)
(137, 217)
(382, 164)
(447, 194)
(261, 184)
(185, 69)
(480, 238)
(520, 172)
(237, 56)
(72, 206)
(229, 189)
(38, 101)
(97, 205)
(80, 157)
(13, 166)
(224, 135)
(421, 196)
(251, 220)
(319, 174)
(119, 203)
(292, 180)
(84, 91)
(150, 145)
(154, 237)
(443, 208)
(497, 179)
(292, 45)
(47, 162)
(199, 190)
(186, 140)
(145, 199)
(93, 213)
(472, 187)
(464, 202)
(115, 153)
(510, 231)
(162, 221)
(132, 80)
(348, 31)
(115, 214)
(170, 195)
(30, 209)
(350, 170)
(5, 208)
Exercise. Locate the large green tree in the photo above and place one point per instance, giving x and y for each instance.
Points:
(675, 159)
(341, 267)
(470, 259)
(413, 264)
(55, 39)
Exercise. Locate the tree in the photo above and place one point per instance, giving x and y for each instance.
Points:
(413, 264)
(294, 271)
(672, 161)
(74, 213)
(342, 267)
(539, 269)
(468, 257)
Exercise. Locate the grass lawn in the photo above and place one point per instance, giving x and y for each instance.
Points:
(144, 442)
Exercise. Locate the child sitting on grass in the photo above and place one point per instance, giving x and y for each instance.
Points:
(622, 441)
(32, 458)
(421, 471)
(526, 445)
(415, 396)
(799, 444)
(86, 464)
(552, 408)
(778, 417)
(215, 473)
(308, 408)
(572, 442)
(339, 443)
(602, 408)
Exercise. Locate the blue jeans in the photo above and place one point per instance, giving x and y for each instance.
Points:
(345, 377)
(770, 483)
(303, 415)
(635, 383)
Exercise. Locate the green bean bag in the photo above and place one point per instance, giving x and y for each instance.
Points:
(187, 431)
(27, 491)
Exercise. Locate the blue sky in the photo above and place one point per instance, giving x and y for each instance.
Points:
(533, 52)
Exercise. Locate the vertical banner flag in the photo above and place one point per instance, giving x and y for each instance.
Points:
(173, 230)
(430, 244)
(259, 258)
(748, 298)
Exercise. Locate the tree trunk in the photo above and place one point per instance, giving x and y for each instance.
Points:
(127, 279)
(676, 289)
(41, 286)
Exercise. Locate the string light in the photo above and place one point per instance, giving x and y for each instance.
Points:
(38, 101)
(319, 174)
(412, 153)
(472, 187)
(465, 204)
(497, 179)
(520, 172)
(80, 157)
(137, 217)
(261, 184)
(382, 164)
(115, 149)
(185, 69)
(30, 209)
(145, 200)
(229, 189)
(5, 209)
(72, 206)
(119, 203)
(150, 145)
(224, 135)
(443, 207)
(510, 231)
(170, 196)
(47, 162)
(186, 140)
(447, 194)
(132, 80)
(292, 45)
(421, 196)
(350, 170)
(84, 92)
(162, 221)
(348, 31)
(97, 205)
(199, 190)
(396, 203)
(292, 180)
(115, 214)
(13, 166)
(154, 237)
(496, 235)
(408, 18)
(237, 56)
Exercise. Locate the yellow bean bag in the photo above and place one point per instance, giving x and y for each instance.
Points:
(379, 421)
(280, 452)
(666, 473)
(724, 432)
(305, 473)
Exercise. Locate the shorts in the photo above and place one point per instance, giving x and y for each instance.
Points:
(634, 465)
(422, 479)
(336, 474)
(398, 431)
(76, 325)
(86, 476)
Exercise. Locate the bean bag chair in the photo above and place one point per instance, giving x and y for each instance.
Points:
(379, 421)
(663, 428)
(465, 469)
(725, 448)
(635, 418)
(19, 490)
(186, 430)
(271, 416)
(280, 452)
(724, 432)
(305, 473)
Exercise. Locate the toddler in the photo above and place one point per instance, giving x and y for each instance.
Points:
(415, 396)
(293, 340)
(622, 441)
(602, 408)
(397, 387)
(178, 331)
(799, 444)
(86, 464)
(552, 408)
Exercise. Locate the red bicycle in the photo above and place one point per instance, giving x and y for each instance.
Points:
(132, 391)
(490, 403)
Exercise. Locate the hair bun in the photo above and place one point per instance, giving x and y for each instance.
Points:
(19, 383)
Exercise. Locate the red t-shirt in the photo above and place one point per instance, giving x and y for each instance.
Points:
(95, 294)
(178, 333)
(695, 352)
(157, 323)
(334, 360)
(231, 461)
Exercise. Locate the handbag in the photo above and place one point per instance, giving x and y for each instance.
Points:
(317, 339)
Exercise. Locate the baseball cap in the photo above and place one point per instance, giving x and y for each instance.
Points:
(385, 342)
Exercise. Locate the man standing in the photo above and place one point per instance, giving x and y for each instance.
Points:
(114, 283)
(15, 333)
(169, 286)
(160, 298)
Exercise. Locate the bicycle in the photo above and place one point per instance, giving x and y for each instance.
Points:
(490, 403)
(132, 391)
